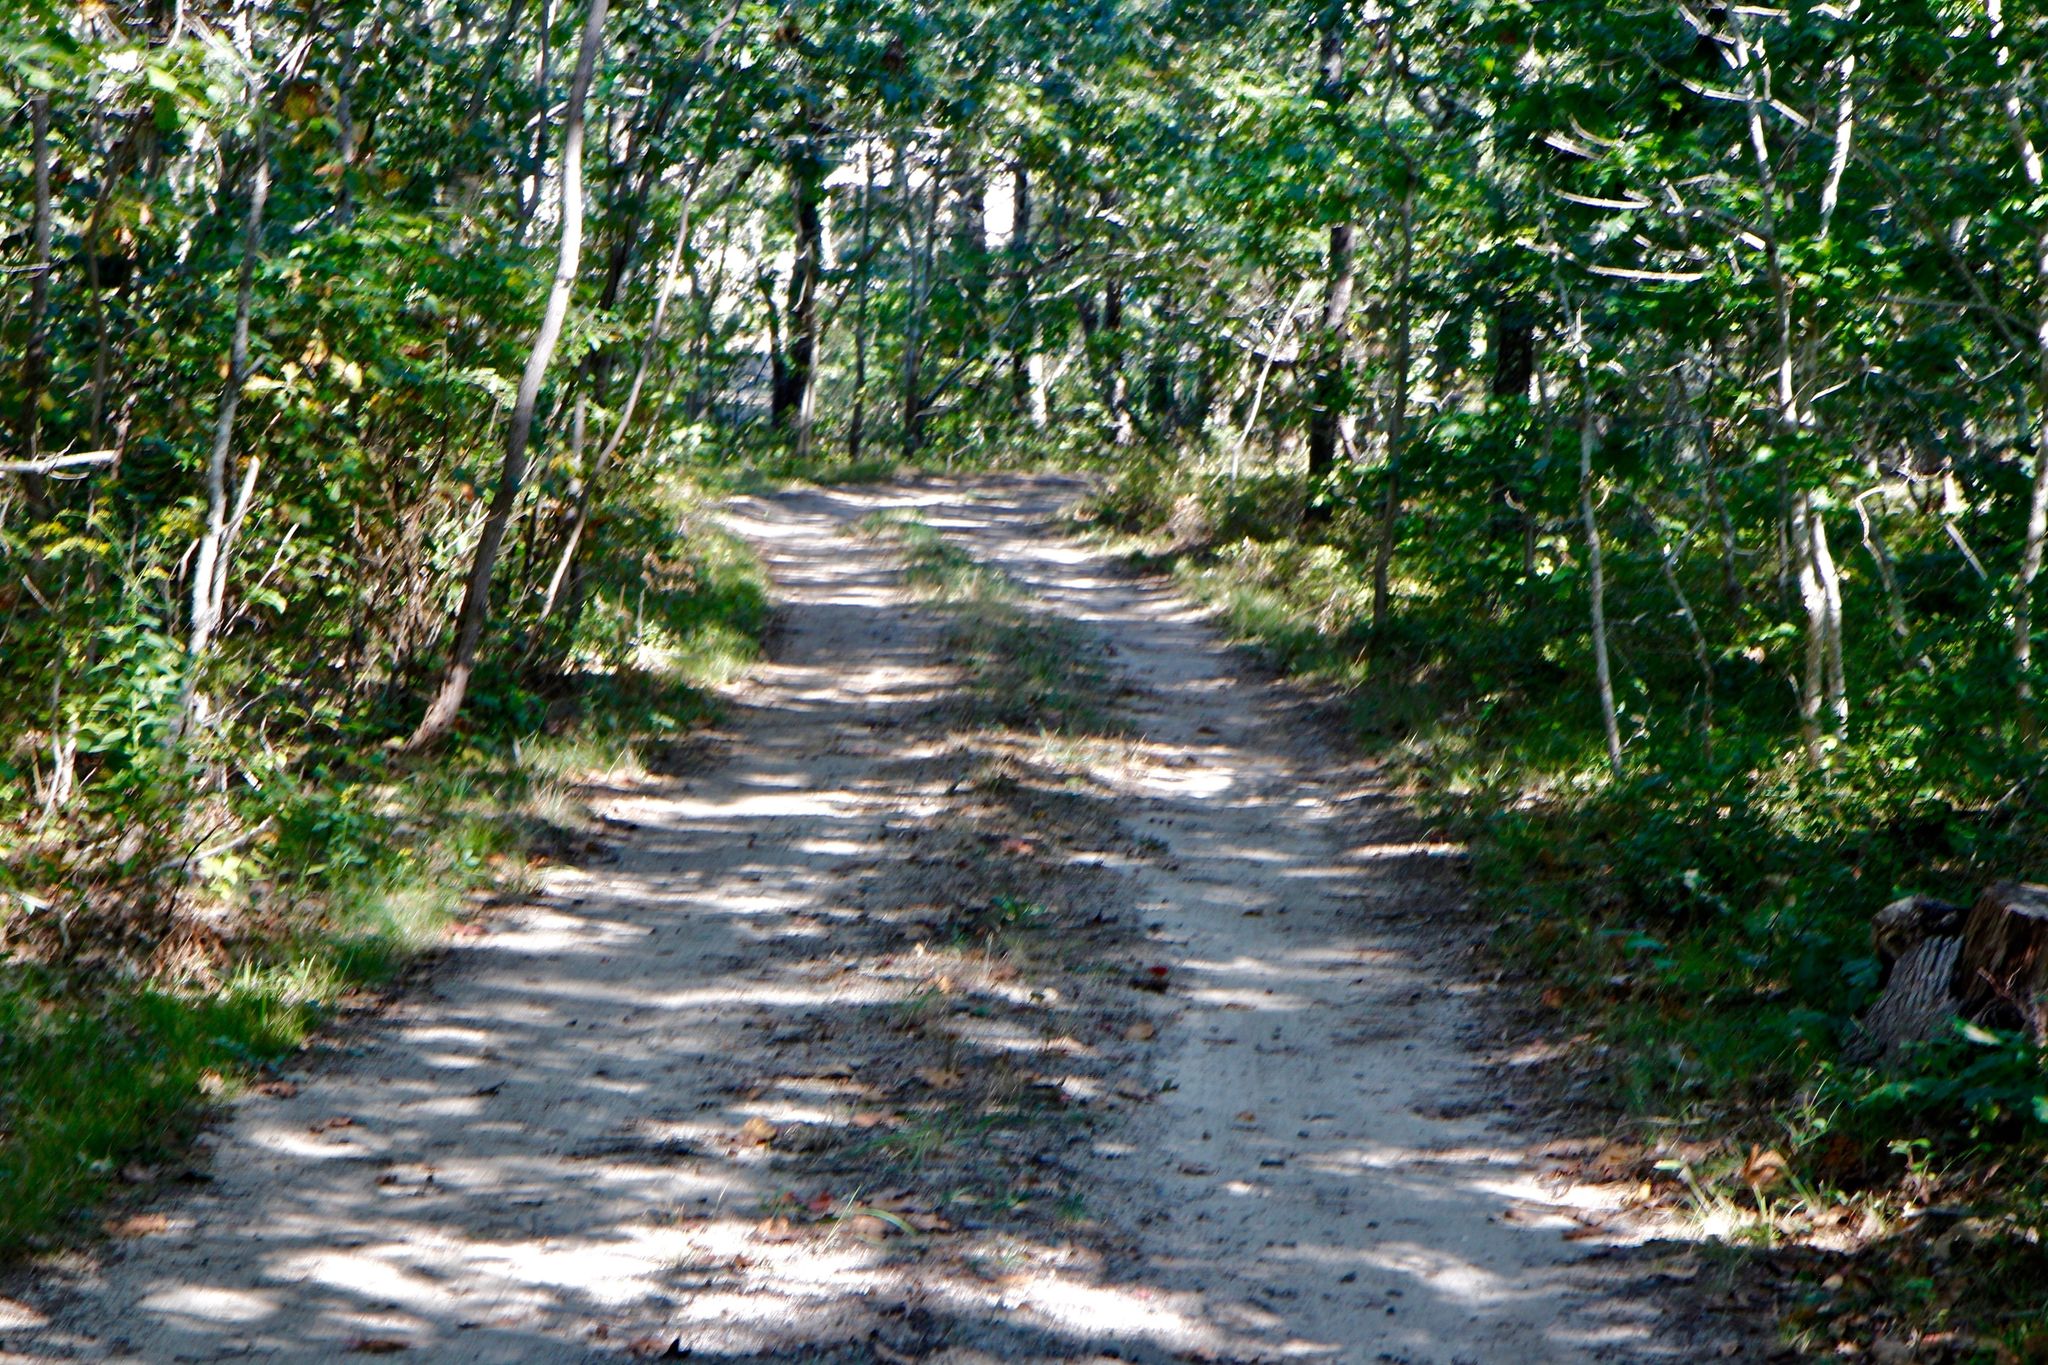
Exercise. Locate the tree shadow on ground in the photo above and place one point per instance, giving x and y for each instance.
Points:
(839, 1058)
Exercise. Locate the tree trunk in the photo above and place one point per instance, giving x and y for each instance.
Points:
(858, 420)
(1989, 968)
(2001, 977)
(1397, 420)
(1514, 350)
(447, 704)
(34, 358)
(1596, 574)
(536, 159)
(791, 401)
(580, 518)
(1820, 588)
(1027, 365)
(210, 560)
(1327, 383)
(1822, 687)
(1115, 385)
(919, 289)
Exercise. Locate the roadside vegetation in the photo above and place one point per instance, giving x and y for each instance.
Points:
(1697, 931)
(177, 976)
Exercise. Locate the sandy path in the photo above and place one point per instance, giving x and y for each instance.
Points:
(540, 1154)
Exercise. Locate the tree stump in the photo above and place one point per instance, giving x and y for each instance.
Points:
(1917, 941)
(1989, 967)
(2001, 974)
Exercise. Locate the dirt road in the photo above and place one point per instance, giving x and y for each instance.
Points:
(893, 1030)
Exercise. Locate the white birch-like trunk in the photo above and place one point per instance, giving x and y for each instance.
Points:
(224, 517)
(447, 703)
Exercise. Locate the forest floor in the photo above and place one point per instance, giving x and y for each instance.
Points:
(913, 1014)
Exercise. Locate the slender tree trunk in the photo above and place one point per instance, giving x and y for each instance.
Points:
(536, 159)
(1027, 365)
(34, 360)
(1115, 385)
(858, 420)
(2031, 549)
(447, 704)
(1702, 656)
(800, 374)
(1710, 486)
(1894, 600)
(649, 344)
(345, 126)
(1822, 689)
(921, 249)
(481, 90)
(1328, 379)
(1824, 686)
(1845, 130)
(1589, 441)
(1596, 572)
(223, 518)
(1397, 419)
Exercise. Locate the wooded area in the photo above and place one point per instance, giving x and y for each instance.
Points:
(1644, 411)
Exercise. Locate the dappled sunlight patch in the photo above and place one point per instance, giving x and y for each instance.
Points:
(209, 1306)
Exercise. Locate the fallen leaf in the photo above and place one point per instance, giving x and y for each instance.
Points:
(276, 1090)
(869, 1226)
(138, 1225)
(939, 1078)
(377, 1346)
(1247, 1116)
(1765, 1168)
(757, 1132)
(1142, 1031)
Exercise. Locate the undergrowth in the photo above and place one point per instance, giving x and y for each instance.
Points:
(1701, 926)
(114, 1043)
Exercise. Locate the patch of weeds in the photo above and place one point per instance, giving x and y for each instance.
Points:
(914, 1013)
(1025, 669)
